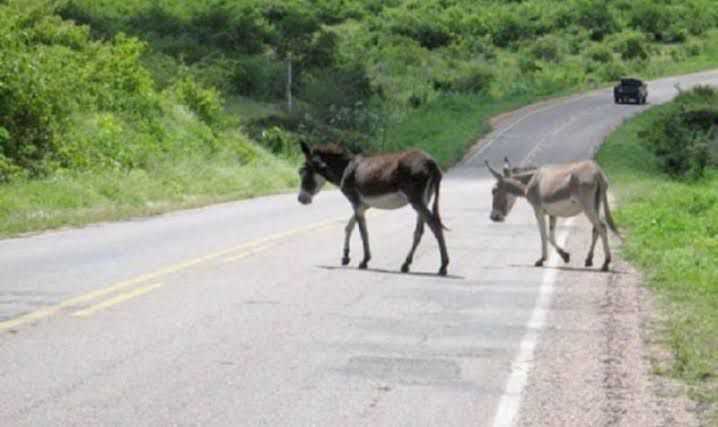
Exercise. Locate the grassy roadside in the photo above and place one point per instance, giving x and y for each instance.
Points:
(76, 199)
(672, 236)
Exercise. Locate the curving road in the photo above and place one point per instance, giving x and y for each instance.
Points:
(239, 314)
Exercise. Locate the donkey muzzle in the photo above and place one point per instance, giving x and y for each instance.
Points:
(304, 198)
(496, 217)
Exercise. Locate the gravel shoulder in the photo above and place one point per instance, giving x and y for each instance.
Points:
(594, 365)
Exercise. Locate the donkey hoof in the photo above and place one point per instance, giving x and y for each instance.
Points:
(442, 271)
(589, 263)
(405, 268)
(566, 256)
(539, 263)
(345, 260)
(363, 265)
(605, 267)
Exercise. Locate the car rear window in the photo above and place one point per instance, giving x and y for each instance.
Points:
(630, 82)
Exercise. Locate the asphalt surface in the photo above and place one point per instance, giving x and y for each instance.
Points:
(240, 314)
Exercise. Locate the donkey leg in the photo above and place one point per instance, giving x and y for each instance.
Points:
(361, 220)
(594, 238)
(438, 231)
(541, 219)
(347, 237)
(418, 232)
(602, 229)
(552, 238)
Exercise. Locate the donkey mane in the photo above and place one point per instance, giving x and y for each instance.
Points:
(332, 149)
(336, 157)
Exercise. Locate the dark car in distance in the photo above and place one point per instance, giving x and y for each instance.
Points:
(630, 89)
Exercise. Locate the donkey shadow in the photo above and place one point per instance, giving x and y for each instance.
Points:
(570, 269)
(383, 271)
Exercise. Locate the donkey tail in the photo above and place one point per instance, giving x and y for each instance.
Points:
(437, 185)
(603, 189)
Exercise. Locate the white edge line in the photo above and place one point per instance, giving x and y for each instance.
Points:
(522, 364)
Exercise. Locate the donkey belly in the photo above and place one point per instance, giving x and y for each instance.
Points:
(387, 201)
(563, 208)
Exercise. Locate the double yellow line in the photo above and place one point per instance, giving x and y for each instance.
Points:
(238, 252)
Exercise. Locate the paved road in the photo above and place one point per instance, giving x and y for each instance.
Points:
(239, 314)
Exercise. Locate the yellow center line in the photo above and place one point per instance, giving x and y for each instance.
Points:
(89, 311)
(246, 254)
(89, 296)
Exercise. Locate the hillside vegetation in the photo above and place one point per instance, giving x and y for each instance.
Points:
(664, 167)
(160, 89)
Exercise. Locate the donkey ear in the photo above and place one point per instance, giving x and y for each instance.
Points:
(305, 149)
(507, 167)
(494, 172)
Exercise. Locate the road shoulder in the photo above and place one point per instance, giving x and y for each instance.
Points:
(595, 362)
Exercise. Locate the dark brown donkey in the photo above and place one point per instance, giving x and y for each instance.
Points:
(388, 181)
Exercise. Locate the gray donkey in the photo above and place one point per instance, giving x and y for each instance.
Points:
(387, 181)
(563, 190)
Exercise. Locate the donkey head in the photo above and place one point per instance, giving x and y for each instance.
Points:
(310, 175)
(321, 164)
(503, 198)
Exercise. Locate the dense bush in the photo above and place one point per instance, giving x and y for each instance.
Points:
(547, 48)
(205, 102)
(68, 101)
(600, 53)
(631, 45)
(51, 72)
(597, 17)
(683, 133)
(99, 83)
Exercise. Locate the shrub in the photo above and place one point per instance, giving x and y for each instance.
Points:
(422, 24)
(611, 71)
(280, 141)
(509, 28)
(599, 53)
(473, 78)
(597, 17)
(675, 34)
(546, 48)
(684, 131)
(694, 48)
(630, 45)
(205, 102)
(651, 18)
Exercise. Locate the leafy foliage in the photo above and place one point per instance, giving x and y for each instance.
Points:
(96, 83)
(683, 133)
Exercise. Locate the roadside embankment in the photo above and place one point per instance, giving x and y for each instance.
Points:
(668, 198)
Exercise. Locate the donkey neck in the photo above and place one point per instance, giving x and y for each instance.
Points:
(336, 167)
(524, 176)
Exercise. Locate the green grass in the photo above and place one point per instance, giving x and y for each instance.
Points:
(75, 199)
(247, 109)
(672, 237)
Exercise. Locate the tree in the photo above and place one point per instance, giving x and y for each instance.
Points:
(298, 39)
